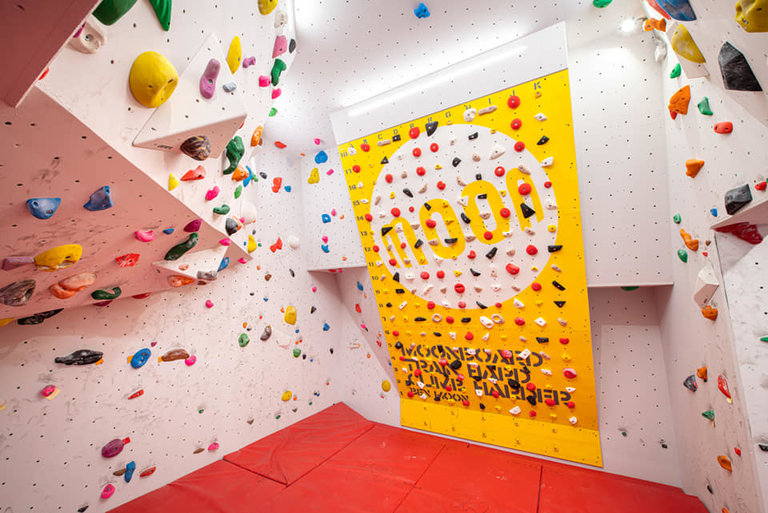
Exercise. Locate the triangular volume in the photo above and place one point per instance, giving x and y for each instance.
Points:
(384, 160)
(737, 74)
(527, 211)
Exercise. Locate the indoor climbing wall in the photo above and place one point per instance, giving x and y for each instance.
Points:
(500, 287)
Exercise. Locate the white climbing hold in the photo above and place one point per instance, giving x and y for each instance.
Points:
(384, 142)
(404, 174)
(486, 110)
(409, 276)
(486, 336)
(497, 152)
(518, 303)
(470, 114)
(547, 161)
(476, 157)
(351, 150)
(471, 351)
(546, 372)
(428, 288)
(423, 188)
(573, 420)
(377, 200)
(497, 319)
(540, 117)
(523, 169)
(485, 321)
(485, 214)
(562, 322)
(452, 335)
(556, 268)
(570, 390)
(530, 231)
(551, 205)
(293, 242)
(541, 322)
(544, 355)
(524, 354)
(470, 237)
(495, 287)
(433, 242)
(515, 411)
(402, 305)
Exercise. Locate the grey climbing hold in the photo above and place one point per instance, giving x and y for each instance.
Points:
(100, 200)
(207, 275)
(229, 87)
(17, 293)
(736, 198)
(736, 72)
(38, 318)
(690, 383)
(267, 333)
(230, 226)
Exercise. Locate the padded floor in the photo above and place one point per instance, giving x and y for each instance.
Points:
(290, 453)
(217, 488)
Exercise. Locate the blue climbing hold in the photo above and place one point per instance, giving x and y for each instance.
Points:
(287, 188)
(326, 218)
(100, 200)
(43, 208)
(249, 177)
(421, 11)
(679, 9)
(224, 263)
(168, 231)
(326, 326)
(325, 249)
(321, 157)
(130, 468)
(140, 358)
(713, 211)
(359, 286)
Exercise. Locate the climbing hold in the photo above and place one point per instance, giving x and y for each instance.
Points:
(682, 255)
(724, 127)
(709, 313)
(173, 182)
(17, 293)
(221, 210)
(684, 45)
(421, 11)
(690, 243)
(569, 373)
(144, 235)
(679, 101)
(80, 357)
(693, 166)
(108, 491)
(163, 12)
(290, 315)
(190, 361)
(231, 226)
(208, 80)
(676, 71)
(130, 468)
(193, 225)
(102, 295)
(59, 257)
(114, 447)
(676, 218)
(37, 318)
(179, 281)
(752, 15)
(109, 11)
(212, 193)
(266, 333)
(152, 79)
(737, 198)
(704, 107)
(725, 462)
(276, 183)
(251, 244)
(722, 385)
(701, 372)
(314, 176)
(256, 136)
(194, 174)
(745, 231)
(140, 358)
(386, 385)
(321, 157)
(736, 72)
(267, 6)
(601, 3)
(277, 68)
(43, 208)
(174, 354)
(179, 249)
(281, 45)
(690, 383)
(296, 352)
(68, 287)
(679, 9)
(100, 200)
(286, 396)
(234, 55)
(235, 150)
(660, 25)
(709, 414)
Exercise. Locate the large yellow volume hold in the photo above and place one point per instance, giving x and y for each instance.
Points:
(235, 55)
(59, 257)
(267, 6)
(684, 45)
(152, 79)
(752, 15)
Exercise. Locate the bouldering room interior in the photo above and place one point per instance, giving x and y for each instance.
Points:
(325, 256)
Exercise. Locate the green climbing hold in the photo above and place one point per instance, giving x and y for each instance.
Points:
(163, 11)
(277, 68)
(677, 218)
(238, 191)
(676, 71)
(704, 107)
(182, 247)
(629, 289)
(272, 112)
(103, 295)
(763, 339)
(709, 414)
(296, 352)
(277, 416)
(601, 3)
(682, 255)
(222, 210)
(109, 11)
(235, 151)
(243, 340)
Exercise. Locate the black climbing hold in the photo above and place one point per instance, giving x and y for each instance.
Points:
(491, 253)
(437, 334)
(292, 46)
(408, 192)
(396, 277)
(399, 291)
(482, 406)
(82, 509)
(542, 340)
(763, 447)
(398, 345)
(384, 160)
(737, 74)
(395, 137)
(304, 357)
(482, 196)
(480, 305)
(513, 384)
(477, 378)
(388, 305)
(38, 318)
(527, 211)
(293, 274)
(709, 489)
(474, 273)
(230, 225)
(690, 383)
(431, 127)
(478, 176)
(437, 399)
(531, 399)
(465, 218)
(263, 175)
(557, 285)
(543, 140)
(80, 357)
(420, 319)
(473, 136)
(427, 206)
(456, 161)
(418, 244)
(385, 230)
(456, 364)
(465, 320)
(451, 240)
(439, 348)
(736, 198)
(560, 303)
(554, 248)
(313, 310)
(408, 382)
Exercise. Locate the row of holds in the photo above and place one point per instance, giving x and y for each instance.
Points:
(44, 208)
(751, 15)
(678, 104)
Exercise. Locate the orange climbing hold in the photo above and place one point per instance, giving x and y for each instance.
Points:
(690, 243)
(256, 137)
(709, 313)
(679, 101)
(725, 462)
(701, 372)
(239, 174)
(693, 166)
(653, 23)
(194, 174)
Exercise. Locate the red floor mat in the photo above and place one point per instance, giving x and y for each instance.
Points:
(391, 451)
(577, 490)
(290, 453)
(476, 479)
(217, 488)
(337, 488)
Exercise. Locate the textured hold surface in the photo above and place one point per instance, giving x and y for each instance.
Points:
(709, 312)
(290, 314)
(745, 231)
(43, 208)
(152, 79)
(736, 72)
(109, 11)
(661, 26)
(690, 383)
(235, 55)
(100, 200)
(676, 71)
(59, 257)
(267, 6)
(37, 318)
(235, 151)
(679, 101)
(17, 293)
(163, 11)
(208, 79)
(179, 249)
(752, 15)
(277, 68)
(684, 45)
(724, 127)
(102, 295)
(737, 198)
(704, 107)
(693, 166)
(678, 9)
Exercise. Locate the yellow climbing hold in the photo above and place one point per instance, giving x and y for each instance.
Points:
(290, 314)
(314, 176)
(173, 182)
(286, 396)
(386, 385)
(267, 6)
(251, 244)
(152, 79)
(5, 322)
(235, 55)
(752, 15)
(59, 257)
(684, 45)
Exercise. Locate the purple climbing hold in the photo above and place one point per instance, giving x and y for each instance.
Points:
(16, 261)
(208, 80)
(193, 226)
(114, 447)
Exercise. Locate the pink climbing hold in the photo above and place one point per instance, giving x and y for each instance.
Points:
(225, 242)
(209, 303)
(145, 235)
(242, 260)
(47, 391)
(325, 238)
(264, 81)
(276, 93)
(208, 80)
(107, 492)
(314, 289)
(316, 141)
(333, 212)
(281, 45)
(212, 193)
(214, 446)
(193, 225)
(190, 361)
(249, 61)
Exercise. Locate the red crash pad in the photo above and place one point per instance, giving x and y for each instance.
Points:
(567, 489)
(217, 488)
(290, 453)
(472, 478)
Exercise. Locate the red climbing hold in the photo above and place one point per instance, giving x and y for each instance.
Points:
(469, 336)
(431, 305)
(569, 373)
(516, 124)
(513, 102)
(471, 255)
(512, 268)
(548, 185)
(449, 319)
(396, 333)
(416, 152)
(761, 186)
(495, 393)
(570, 404)
(536, 286)
(504, 212)
(459, 288)
(424, 275)
(519, 146)
(434, 147)
(403, 245)
(745, 231)
(724, 127)
(431, 223)
(532, 413)
(448, 388)
(392, 262)
(531, 387)
(356, 168)
(462, 304)
(388, 178)
(564, 341)
(410, 394)
(440, 274)
(365, 147)
(531, 249)
(411, 209)
(465, 402)
(549, 402)
(506, 354)
(375, 248)
(369, 218)
(414, 132)
(443, 362)
(395, 212)
(488, 235)
(524, 189)
(441, 185)
(499, 171)
(519, 321)
(421, 171)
